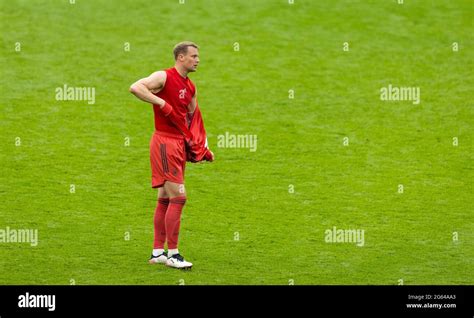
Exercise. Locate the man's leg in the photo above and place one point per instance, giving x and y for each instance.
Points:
(177, 200)
(158, 254)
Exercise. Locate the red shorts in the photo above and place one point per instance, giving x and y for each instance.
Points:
(168, 159)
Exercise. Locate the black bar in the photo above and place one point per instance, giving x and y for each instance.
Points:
(86, 300)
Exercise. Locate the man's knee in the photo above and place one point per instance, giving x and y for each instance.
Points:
(162, 194)
(175, 189)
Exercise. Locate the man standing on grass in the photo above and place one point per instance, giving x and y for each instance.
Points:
(173, 96)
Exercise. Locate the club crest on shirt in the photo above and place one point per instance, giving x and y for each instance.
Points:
(182, 93)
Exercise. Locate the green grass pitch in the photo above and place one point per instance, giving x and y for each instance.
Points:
(306, 80)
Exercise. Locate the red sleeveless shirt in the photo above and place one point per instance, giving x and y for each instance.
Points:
(178, 92)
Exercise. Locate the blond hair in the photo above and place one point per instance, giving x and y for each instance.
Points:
(182, 48)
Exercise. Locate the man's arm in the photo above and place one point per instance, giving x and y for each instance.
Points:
(192, 105)
(191, 109)
(144, 88)
(209, 155)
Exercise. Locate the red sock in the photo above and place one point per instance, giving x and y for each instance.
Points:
(173, 220)
(159, 222)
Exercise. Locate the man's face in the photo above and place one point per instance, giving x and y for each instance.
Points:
(191, 60)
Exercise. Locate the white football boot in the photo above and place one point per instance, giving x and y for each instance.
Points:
(160, 259)
(177, 261)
